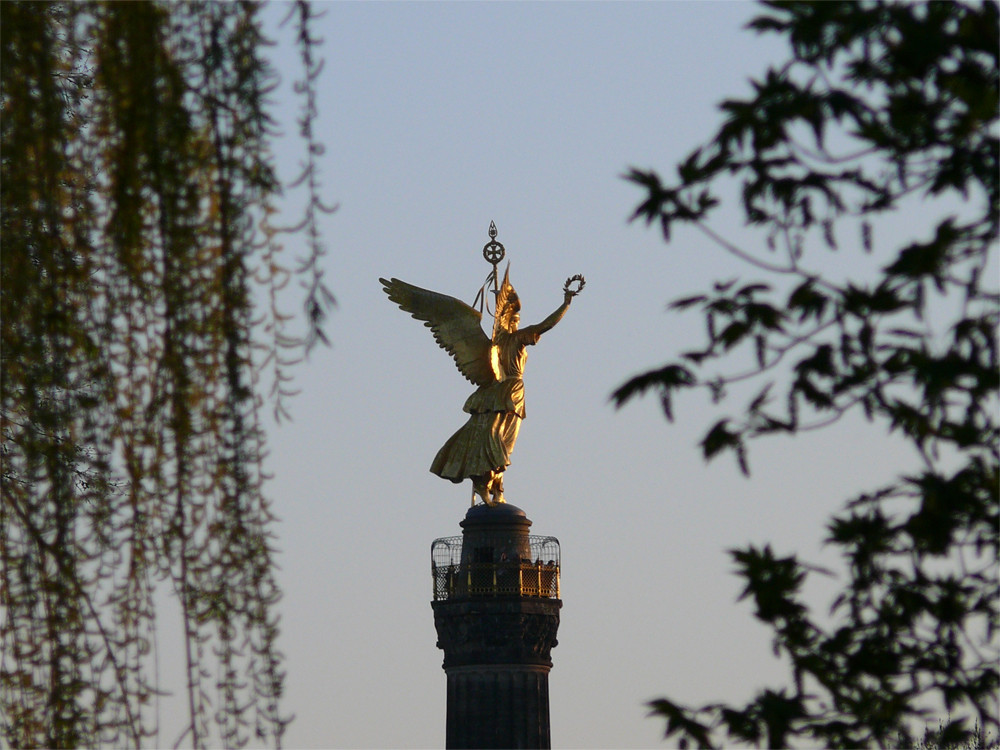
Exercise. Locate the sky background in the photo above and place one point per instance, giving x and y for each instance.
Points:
(437, 119)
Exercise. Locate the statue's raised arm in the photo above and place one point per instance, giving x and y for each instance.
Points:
(480, 450)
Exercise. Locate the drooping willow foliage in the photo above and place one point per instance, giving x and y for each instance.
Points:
(138, 205)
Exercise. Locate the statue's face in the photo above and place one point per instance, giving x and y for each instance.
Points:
(515, 321)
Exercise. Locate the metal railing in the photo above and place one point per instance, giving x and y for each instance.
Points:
(536, 579)
(452, 578)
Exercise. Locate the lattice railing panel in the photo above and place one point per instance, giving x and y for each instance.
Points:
(537, 577)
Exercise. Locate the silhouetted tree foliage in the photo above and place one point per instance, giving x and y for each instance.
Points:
(138, 200)
(931, 740)
(881, 106)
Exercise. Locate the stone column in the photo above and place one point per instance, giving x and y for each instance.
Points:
(497, 637)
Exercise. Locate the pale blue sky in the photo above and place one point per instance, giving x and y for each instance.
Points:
(438, 118)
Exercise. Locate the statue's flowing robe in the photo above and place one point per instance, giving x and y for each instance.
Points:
(484, 443)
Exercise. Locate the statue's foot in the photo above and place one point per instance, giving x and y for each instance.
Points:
(481, 490)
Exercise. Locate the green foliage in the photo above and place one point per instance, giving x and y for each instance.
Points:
(137, 201)
(880, 104)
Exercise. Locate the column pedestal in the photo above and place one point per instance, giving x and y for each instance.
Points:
(497, 627)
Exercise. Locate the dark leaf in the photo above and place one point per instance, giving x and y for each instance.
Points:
(686, 302)
(719, 438)
(668, 377)
(733, 334)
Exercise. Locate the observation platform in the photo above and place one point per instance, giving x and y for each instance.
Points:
(495, 572)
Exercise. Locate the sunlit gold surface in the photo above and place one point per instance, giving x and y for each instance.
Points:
(480, 449)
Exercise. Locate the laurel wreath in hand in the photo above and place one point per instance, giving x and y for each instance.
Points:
(567, 287)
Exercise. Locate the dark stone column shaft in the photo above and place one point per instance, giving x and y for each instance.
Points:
(498, 706)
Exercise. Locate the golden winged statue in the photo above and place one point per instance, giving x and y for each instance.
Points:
(480, 450)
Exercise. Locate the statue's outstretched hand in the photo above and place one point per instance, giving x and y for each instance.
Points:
(568, 291)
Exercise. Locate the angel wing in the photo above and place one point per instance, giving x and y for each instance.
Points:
(455, 325)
